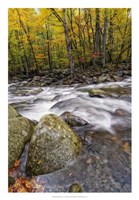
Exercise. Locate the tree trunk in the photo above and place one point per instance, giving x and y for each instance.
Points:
(105, 37)
(110, 39)
(97, 48)
(87, 21)
(74, 40)
(29, 41)
(67, 39)
(68, 44)
(22, 54)
(48, 48)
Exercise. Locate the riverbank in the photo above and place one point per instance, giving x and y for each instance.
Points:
(91, 75)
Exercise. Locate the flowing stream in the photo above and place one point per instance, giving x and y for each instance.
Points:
(105, 114)
(97, 111)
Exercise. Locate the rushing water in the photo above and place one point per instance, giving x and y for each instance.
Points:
(58, 99)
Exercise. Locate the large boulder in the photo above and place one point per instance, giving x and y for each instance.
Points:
(20, 130)
(12, 113)
(110, 91)
(52, 146)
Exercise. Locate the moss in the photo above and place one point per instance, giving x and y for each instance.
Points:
(75, 187)
(12, 113)
(20, 131)
(55, 144)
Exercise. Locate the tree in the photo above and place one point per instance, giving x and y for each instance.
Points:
(27, 33)
(97, 47)
(41, 39)
(67, 38)
(105, 37)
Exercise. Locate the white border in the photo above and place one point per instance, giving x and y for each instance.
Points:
(4, 97)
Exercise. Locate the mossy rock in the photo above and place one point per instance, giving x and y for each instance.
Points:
(98, 93)
(75, 187)
(20, 131)
(12, 113)
(53, 146)
(119, 91)
(107, 92)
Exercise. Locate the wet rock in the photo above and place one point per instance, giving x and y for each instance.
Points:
(75, 187)
(88, 80)
(53, 145)
(117, 78)
(114, 86)
(94, 80)
(121, 112)
(89, 161)
(36, 78)
(20, 130)
(28, 92)
(34, 92)
(73, 120)
(66, 72)
(120, 73)
(98, 93)
(117, 92)
(127, 72)
(109, 92)
(48, 81)
(61, 76)
(104, 78)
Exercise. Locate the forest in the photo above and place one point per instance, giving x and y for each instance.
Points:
(47, 39)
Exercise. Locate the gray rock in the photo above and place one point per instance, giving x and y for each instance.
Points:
(102, 78)
(73, 120)
(53, 145)
(34, 92)
(36, 78)
(66, 72)
(94, 80)
(117, 78)
(120, 73)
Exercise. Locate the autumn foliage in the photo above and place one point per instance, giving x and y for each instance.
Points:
(22, 184)
(25, 185)
(40, 39)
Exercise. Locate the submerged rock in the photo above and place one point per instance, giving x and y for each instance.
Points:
(73, 120)
(110, 91)
(53, 145)
(97, 93)
(20, 130)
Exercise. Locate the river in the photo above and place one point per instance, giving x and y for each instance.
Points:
(108, 114)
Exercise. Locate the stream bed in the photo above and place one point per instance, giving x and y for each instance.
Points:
(105, 162)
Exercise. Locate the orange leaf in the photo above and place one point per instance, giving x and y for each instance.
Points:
(16, 164)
